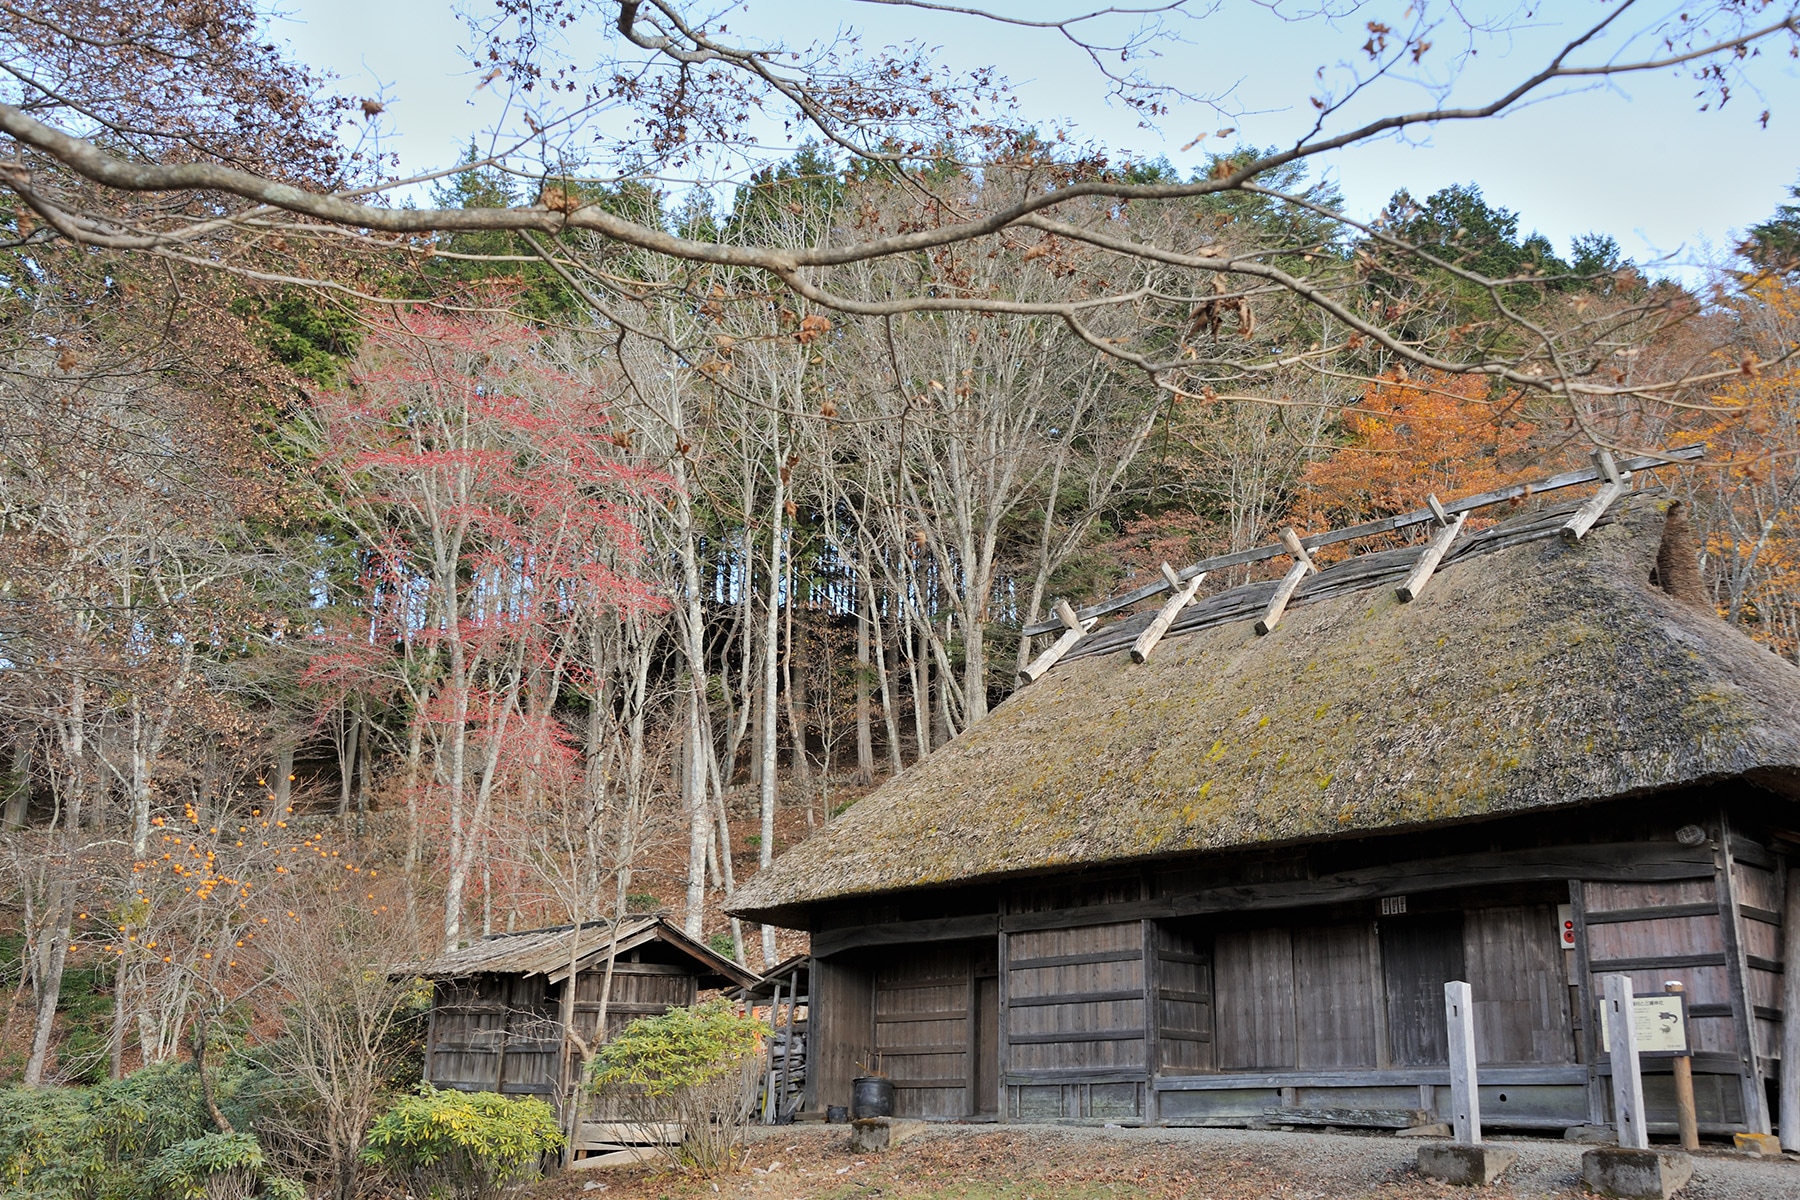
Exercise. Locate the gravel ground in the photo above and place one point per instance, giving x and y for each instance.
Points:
(975, 1162)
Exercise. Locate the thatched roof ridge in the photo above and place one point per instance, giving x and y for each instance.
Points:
(1529, 675)
(547, 951)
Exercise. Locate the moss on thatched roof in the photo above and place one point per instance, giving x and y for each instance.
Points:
(1530, 674)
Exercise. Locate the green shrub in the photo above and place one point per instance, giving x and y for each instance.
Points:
(45, 1150)
(105, 1142)
(451, 1145)
(217, 1166)
(694, 1067)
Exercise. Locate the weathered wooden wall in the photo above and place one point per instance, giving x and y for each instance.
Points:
(843, 1029)
(493, 1033)
(503, 1033)
(1311, 980)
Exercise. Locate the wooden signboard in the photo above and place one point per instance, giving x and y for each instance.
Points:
(1661, 1023)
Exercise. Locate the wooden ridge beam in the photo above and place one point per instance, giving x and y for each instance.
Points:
(1434, 552)
(1303, 566)
(1218, 562)
(1153, 632)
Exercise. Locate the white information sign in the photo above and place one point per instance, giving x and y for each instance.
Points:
(1661, 1025)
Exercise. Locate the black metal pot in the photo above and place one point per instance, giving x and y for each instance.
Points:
(873, 1097)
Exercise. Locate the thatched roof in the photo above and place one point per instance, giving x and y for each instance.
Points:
(546, 952)
(1530, 674)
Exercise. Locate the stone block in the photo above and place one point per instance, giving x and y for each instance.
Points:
(1426, 1131)
(1592, 1135)
(1757, 1143)
(1631, 1174)
(1461, 1163)
(872, 1135)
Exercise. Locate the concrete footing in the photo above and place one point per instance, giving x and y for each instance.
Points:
(1461, 1163)
(1630, 1174)
(872, 1135)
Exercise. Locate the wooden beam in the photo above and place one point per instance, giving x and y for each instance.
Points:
(1351, 533)
(1790, 1014)
(1617, 484)
(1153, 632)
(1284, 591)
(1038, 666)
(1428, 561)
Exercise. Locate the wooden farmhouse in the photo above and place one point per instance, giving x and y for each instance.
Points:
(1227, 884)
(496, 1007)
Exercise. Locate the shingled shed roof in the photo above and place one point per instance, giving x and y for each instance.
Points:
(546, 952)
(1530, 674)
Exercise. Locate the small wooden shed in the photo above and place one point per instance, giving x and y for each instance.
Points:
(496, 1015)
(1227, 884)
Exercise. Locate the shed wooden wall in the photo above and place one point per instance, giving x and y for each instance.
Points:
(494, 1033)
(503, 1033)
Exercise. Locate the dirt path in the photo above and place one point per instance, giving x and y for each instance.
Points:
(1083, 1163)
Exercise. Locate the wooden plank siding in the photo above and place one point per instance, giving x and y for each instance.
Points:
(1075, 1022)
(924, 1028)
(1195, 994)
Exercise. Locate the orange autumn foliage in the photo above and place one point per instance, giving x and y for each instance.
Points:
(1749, 494)
(1409, 439)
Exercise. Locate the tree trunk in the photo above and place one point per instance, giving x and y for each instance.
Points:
(18, 786)
(865, 733)
(284, 777)
(771, 680)
(796, 713)
(700, 830)
(47, 974)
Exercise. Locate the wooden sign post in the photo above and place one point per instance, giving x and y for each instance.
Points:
(1628, 1080)
(1465, 1100)
(1686, 1119)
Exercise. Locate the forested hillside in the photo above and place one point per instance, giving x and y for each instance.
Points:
(364, 591)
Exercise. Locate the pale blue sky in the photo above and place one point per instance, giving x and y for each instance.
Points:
(1637, 160)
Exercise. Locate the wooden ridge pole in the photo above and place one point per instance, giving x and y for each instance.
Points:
(1284, 591)
(1153, 632)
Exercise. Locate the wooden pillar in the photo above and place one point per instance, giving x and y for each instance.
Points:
(1152, 1018)
(1628, 1081)
(1465, 1097)
(1584, 990)
(768, 1115)
(1790, 1014)
(1002, 988)
(1737, 971)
